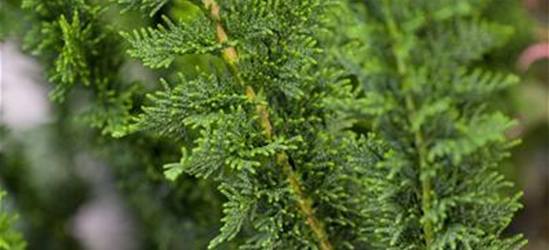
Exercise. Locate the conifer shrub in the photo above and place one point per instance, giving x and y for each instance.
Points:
(438, 183)
(288, 124)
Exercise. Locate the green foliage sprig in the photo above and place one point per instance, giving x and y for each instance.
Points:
(262, 123)
(79, 48)
(9, 238)
(438, 185)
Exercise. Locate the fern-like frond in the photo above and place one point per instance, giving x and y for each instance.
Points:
(159, 47)
(437, 185)
(264, 122)
(241, 202)
(71, 66)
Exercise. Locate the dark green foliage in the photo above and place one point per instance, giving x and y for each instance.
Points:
(166, 211)
(23, 163)
(438, 185)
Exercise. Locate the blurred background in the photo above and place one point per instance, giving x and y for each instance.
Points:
(73, 192)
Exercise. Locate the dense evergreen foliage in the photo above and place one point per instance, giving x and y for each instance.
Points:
(260, 123)
(439, 185)
(289, 124)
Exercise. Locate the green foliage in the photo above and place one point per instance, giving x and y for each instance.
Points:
(150, 6)
(437, 185)
(339, 124)
(278, 163)
(159, 47)
(165, 210)
(79, 48)
(26, 164)
(9, 238)
(10, 18)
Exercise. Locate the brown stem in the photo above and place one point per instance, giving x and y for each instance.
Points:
(230, 56)
(304, 204)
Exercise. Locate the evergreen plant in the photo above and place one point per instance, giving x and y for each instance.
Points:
(438, 185)
(259, 126)
(323, 124)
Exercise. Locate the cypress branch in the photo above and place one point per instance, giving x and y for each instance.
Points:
(265, 146)
(425, 175)
(230, 55)
(438, 177)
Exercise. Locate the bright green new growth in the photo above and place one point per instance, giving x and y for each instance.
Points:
(260, 125)
(437, 186)
(9, 238)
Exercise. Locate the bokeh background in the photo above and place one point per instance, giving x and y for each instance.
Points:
(72, 193)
